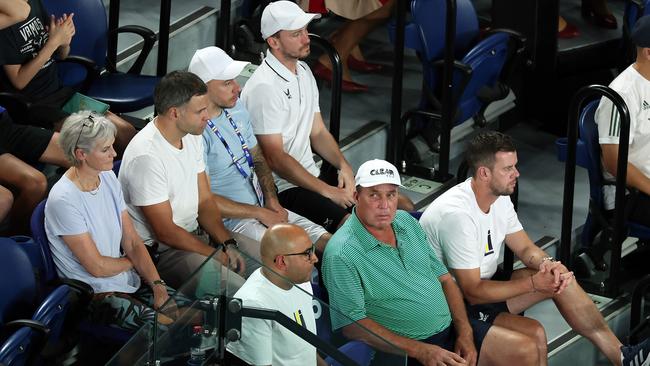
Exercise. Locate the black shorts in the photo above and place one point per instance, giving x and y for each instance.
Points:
(445, 339)
(319, 209)
(27, 143)
(48, 111)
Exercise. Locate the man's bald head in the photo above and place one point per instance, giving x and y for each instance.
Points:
(280, 239)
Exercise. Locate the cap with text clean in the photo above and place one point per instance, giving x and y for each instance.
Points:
(641, 32)
(212, 63)
(376, 172)
(284, 15)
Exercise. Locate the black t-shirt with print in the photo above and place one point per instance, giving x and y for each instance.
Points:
(22, 42)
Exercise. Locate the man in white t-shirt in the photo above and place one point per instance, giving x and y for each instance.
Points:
(167, 191)
(282, 99)
(468, 225)
(281, 284)
(633, 85)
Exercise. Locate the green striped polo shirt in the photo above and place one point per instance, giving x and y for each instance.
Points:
(396, 287)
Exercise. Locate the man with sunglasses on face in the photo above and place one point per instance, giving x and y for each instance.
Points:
(281, 284)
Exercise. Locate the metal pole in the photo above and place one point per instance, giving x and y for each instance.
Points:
(337, 75)
(447, 93)
(163, 36)
(113, 24)
(395, 141)
(223, 26)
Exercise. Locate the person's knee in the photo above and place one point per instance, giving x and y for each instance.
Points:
(527, 350)
(34, 184)
(539, 333)
(6, 201)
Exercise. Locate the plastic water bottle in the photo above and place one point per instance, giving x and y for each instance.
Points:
(197, 353)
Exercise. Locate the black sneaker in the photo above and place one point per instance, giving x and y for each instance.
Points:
(637, 355)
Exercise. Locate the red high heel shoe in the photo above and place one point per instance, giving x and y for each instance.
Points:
(607, 21)
(320, 71)
(363, 66)
(569, 31)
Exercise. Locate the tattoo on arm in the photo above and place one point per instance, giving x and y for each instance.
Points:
(263, 173)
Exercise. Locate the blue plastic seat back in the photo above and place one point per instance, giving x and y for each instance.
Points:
(430, 18)
(53, 310)
(89, 41)
(486, 60)
(634, 11)
(321, 310)
(589, 137)
(18, 291)
(37, 226)
(17, 349)
(91, 24)
(116, 167)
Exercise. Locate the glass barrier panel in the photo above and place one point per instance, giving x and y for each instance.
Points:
(185, 329)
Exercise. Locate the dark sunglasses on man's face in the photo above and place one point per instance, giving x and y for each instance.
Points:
(307, 253)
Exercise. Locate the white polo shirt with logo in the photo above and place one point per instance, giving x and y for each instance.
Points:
(635, 91)
(281, 102)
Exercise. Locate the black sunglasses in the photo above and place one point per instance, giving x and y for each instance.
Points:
(308, 253)
(90, 123)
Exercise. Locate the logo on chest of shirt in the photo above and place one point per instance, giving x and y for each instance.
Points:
(489, 249)
(297, 316)
(645, 105)
(288, 94)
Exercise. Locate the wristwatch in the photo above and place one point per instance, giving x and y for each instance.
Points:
(228, 242)
(549, 258)
(159, 282)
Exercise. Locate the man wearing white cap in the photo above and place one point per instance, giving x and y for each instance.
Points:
(282, 99)
(241, 182)
(381, 272)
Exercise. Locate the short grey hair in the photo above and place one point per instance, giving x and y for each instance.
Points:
(83, 130)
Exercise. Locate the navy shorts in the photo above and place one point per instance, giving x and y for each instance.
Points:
(445, 339)
(486, 312)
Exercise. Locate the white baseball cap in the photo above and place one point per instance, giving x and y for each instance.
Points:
(284, 15)
(375, 172)
(212, 63)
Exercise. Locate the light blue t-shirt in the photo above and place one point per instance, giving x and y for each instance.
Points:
(225, 178)
(69, 211)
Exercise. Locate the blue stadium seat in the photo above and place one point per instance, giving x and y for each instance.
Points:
(18, 289)
(481, 68)
(124, 92)
(19, 349)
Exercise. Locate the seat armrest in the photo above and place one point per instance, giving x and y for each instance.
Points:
(148, 37)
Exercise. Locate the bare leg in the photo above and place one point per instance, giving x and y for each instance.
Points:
(125, 132)
(6, 201)
(521, 349)
(579, 311)
(53, 153)
(530, 327)
(349, 36)
(32, 188)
